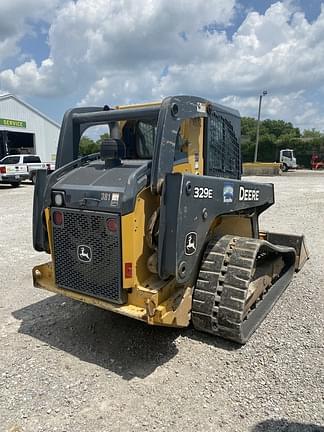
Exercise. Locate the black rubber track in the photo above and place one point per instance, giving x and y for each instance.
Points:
(220, 294)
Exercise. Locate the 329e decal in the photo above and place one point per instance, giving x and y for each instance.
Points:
(203, 192)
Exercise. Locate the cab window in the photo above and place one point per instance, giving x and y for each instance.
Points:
(10, 160)
(145, 137)
(286, 153)
(31, 159)
(91, 139)
(139, 138)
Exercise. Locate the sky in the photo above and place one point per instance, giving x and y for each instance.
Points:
(57, 54)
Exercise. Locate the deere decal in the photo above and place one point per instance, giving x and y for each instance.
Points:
(12, 123)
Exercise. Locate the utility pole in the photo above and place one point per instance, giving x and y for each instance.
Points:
(258, 126)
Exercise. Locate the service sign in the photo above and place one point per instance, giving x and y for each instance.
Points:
(12, 123)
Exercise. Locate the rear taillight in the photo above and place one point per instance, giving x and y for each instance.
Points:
(2, 170)
(58, 217)
(112, 225)
(128, 270)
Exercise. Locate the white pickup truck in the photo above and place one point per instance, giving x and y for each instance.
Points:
(15, 168)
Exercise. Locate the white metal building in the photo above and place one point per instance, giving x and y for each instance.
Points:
(24, 129)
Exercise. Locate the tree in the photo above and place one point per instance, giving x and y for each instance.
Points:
(311, 133)
(274, 135)
(87, 146)
(102, 138)
(279, 128)
(248, 127)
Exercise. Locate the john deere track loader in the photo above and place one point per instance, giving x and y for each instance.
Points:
(158, 225)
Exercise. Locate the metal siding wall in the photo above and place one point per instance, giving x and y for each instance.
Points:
(46, 133)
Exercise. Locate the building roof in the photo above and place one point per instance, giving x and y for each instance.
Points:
(30, 107)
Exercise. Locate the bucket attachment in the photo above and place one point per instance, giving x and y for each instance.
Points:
(291, 240)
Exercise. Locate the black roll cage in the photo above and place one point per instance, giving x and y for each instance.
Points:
(168, 115)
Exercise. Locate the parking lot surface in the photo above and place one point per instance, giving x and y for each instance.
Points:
(67, 366)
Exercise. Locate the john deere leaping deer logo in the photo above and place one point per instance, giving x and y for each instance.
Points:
(191, 243)
(84, 253)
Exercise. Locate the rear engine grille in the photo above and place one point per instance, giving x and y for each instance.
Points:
(87, 255)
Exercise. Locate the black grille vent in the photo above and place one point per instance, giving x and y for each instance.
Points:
(88, 255)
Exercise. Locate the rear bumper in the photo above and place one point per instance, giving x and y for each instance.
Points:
(10, 178)
(43, 277)
(173, 311)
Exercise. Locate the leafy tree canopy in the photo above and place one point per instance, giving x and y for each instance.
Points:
(311, 133)
(275, 135)
(87, 146)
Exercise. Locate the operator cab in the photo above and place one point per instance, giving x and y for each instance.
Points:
(182, 134)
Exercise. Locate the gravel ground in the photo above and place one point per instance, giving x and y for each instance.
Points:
(67, 366)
